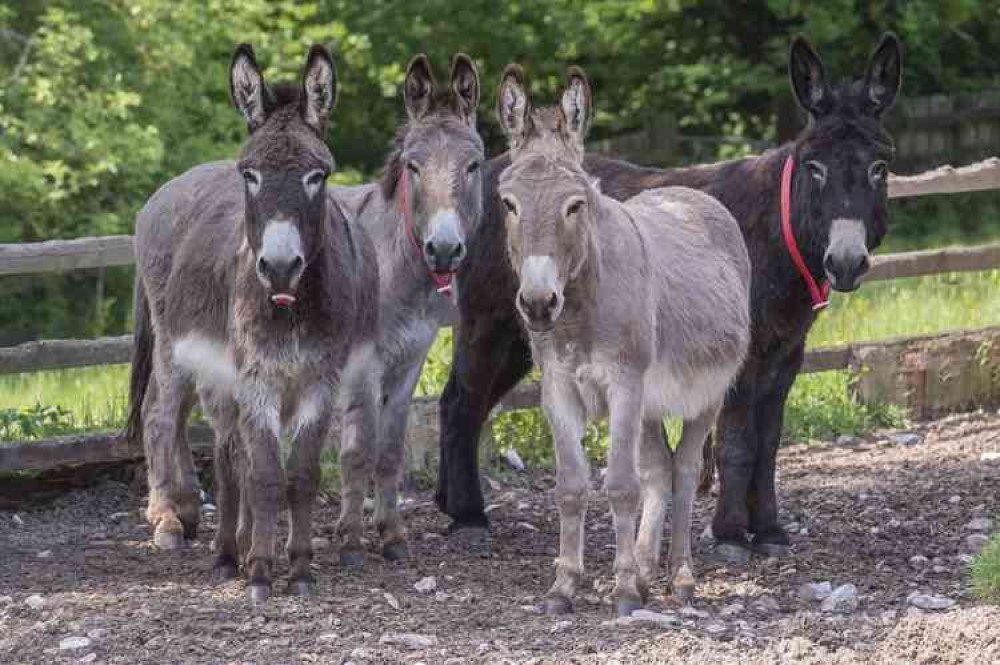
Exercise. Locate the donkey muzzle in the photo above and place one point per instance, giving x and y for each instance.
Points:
(540, 299)
(847, 259)
(444, 245)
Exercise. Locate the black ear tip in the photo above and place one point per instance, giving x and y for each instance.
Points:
(419, 61)
(319, 51)
(245, 50)
(576, 73)
(513, 72)
(463, 60)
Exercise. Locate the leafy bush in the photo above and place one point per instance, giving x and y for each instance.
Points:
(986, 571)
(34, 422)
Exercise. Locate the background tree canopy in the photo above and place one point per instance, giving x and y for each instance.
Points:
(102, 101)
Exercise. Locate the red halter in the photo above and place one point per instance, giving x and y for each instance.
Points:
(442, 280)
(820, 294)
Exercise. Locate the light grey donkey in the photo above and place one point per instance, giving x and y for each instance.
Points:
(635, 310)
(255, 292)
(420, 215)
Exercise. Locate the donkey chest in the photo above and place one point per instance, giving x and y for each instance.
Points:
(589, 375)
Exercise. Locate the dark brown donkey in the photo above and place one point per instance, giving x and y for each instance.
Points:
(254, 291)
(838, 209)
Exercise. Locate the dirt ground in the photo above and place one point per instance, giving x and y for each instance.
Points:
(80, 582)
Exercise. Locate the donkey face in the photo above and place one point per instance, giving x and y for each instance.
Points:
(441, 155)
(549, 199)
(843, 157)
(285, 164)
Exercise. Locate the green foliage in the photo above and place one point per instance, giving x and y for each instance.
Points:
(34, 422)
(986, 571)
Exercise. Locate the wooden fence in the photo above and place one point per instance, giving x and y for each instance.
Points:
(61, 255)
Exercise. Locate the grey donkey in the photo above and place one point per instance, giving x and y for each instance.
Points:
(255, 293)
(635, 310)
(419, 215)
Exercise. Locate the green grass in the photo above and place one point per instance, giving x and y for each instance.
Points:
(986, 571)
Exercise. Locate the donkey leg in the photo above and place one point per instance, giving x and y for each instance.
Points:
(567, 418)
(490, 358)
(626, 403)
(358, 400)
(223, 414)
(260, 428)
(688, 459)
(736, 450)
(655, 482)
(769, 538)
(303, 476)
(174, 504)
(398, 390)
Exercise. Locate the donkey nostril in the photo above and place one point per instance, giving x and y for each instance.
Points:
(262, 266)
(296, 264)
(553, 301)
(522, 302)
(458, 252)
(828, 264)
(429, 249)
(864, 264)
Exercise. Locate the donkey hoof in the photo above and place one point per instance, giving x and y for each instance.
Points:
(351, 558)
(468, 533)
(395, 552)
(169, 540)
(259, 593)
(776, 550)
(226, 569)
(626, 606)
(558, 605)
(302, 588)
(683, 591)
(730, 554)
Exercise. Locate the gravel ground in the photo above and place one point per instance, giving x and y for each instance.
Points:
(895, 516)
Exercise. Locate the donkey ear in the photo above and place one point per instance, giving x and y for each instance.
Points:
(418, 87)
(319, 87)
(576, 104)
(513, 105)
(808, 78)
(884, 74)
(246, 86)
(464, 84)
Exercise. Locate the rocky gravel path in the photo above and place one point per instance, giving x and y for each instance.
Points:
(883, 532)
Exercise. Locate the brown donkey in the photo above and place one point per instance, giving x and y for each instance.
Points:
(254, 291)
(635, 311)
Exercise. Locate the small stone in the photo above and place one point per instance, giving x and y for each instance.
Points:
(926, 601)
(494, 485)
(6, 600)
(689, 611)
(624, 622)
(561, 627)
(532, 609)
(954, 499)
(803, 532)
(426, 584)
(513, 459)
(368, 505)
(35, 602)
(815, 592)
(46, 554)
(483, 648)
(527, 526)
(409, 640)
(905, 439)
(523, 505)
(766, 604)
(919, 561)
(97, 633)
(731, 610)
(441, 596)
(17, 520)
(391, 599)
(89, 658)
(913, 612)
(975, 543)
(659, 618)
(69, 643)
(843, 600)
(430, 535)
(493, 506)
(847, 440)
(361, 653)
(716, 627)
(319, 544)
(989, 457)
(980, 524)
(118, 517)
(941, 569)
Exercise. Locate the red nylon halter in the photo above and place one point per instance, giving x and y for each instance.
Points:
(442, 280)
(820, 294)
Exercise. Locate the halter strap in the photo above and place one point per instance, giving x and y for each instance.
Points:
(441, 280)
(820, 293)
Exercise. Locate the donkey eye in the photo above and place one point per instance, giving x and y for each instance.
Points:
(817, 170)
(252, 179)
(509, 205)
(574, 207)
(412, 168)
(472, 168)
(315, 178)
(878, 172)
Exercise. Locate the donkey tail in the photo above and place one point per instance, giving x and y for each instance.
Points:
(708, 466)
(142, 365)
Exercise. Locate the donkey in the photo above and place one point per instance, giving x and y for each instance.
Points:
(419, 216)
(837, 214)
(634, 310)
(253, 290)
